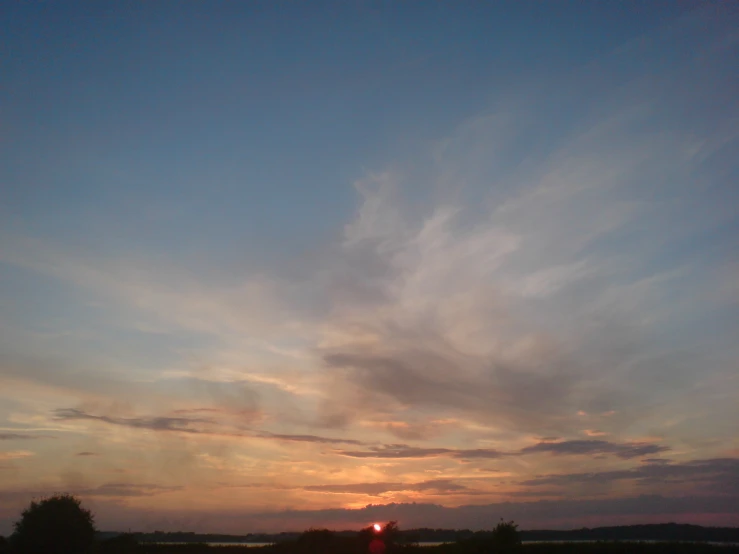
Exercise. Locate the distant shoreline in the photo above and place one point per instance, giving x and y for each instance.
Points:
(660, 532)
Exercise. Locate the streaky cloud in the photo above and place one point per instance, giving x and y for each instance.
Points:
(404, 451)
(179, 424)
(437, 486)
(622, 450)
(209, 426)
(309, 438)
(572, 447)
(719, 475)
(19, 436)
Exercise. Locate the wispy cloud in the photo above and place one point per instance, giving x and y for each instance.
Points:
(193, 425)
(309, 438)
(15, 455)
(719, 475)
(625, 451)
(17, 436)
(128, 489)
(396, 451)
(571, 447)
(178, 424)
(439, 486)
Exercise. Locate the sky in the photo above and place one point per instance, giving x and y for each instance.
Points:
(275, 265)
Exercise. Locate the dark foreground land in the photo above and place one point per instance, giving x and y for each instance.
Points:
(504, 539)
(662, 532)
(452, 548)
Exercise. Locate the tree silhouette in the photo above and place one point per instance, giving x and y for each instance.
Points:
(316, 540)
(391, 531)
(54, 525)
(506, 535)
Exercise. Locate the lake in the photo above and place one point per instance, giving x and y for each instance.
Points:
(257, 544)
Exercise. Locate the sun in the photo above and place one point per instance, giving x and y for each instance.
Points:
(377, 527)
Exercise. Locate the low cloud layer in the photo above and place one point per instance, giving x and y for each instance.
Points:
(719, 475)
(375, 489)
(179, 424)
(193, 425)
(625, 451)
(572, 447)
(16, 436)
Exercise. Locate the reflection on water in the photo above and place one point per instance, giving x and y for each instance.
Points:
(254, 544)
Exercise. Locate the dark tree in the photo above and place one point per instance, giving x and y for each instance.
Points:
(315, 540)
(54, 525)
(506, 535)
(391, 531)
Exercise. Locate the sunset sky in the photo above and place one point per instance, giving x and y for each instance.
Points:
(264, 264)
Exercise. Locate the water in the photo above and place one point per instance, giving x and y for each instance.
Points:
(635, 540)
(257, 544)
(249, 544)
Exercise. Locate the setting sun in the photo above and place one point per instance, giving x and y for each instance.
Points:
(377, 527)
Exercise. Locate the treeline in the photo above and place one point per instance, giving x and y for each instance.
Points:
(653, 532)
(60, 525)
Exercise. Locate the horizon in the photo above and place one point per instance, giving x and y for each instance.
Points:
(340, 531)
(299, 265)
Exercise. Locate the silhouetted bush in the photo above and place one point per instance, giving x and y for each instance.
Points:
(316, 540)
(55, 525)
(505, 536)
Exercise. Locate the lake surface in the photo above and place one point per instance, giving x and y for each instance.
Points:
(257, 544)
(254, 544)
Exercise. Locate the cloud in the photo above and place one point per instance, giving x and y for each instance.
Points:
(197, 426)
(309, 438)
(111, 490)
(421, 377)
(571, 447)
(594, 433)
(198, 411)
(396, 451)
(170, 297)
(405, 451)
(178, 424)
(128, 489)
(544, 273)
(15, 455)
(623, 450)
(414, 430)
(439, 486)
(719, 475)
(86, 454)
(542, 514)
(17, 436)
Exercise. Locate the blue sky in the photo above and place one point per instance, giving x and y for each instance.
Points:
(378, 252)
